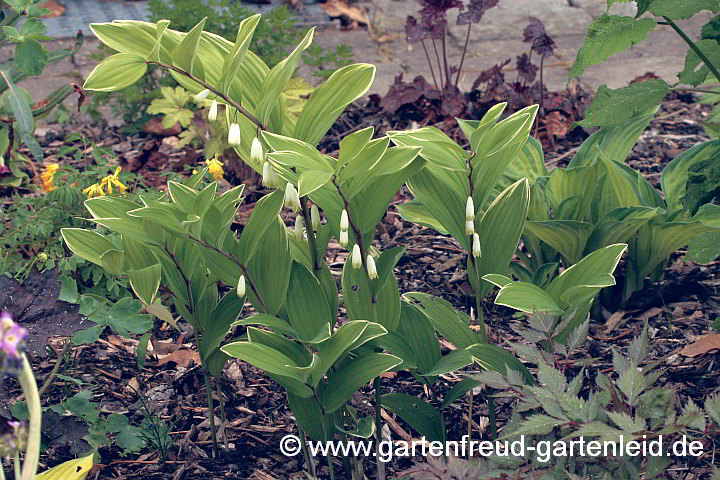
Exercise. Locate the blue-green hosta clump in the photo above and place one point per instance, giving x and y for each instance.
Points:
(597, 201)
(17, 107)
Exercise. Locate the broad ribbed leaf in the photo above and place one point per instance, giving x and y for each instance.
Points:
(675, 175)
(452, 324)
(116, 72)
(237, 55)
(420, 415)
(566, 236)
(145, 282)
(352, 375)
(185, 55)
(437, 147)
(86, 244)
(525, 297)
(329, 100)
(307, 306)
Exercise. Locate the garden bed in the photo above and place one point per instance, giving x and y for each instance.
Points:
(681, 309)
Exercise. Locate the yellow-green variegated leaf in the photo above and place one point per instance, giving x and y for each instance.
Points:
(116, 72)
(499, 231)
(87, 244)
(185, 55)
(572, 183)
(329, 100)
(71, 470)
(145, 282)
(526, 297)
(586, 278)
(437, 147)
(278, 77)
(236, 56)
(500, 145)
(416, 212)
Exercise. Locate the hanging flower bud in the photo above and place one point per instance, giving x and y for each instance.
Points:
(315, 217)
(241, 286)
(269, 178)
(292, 199)
(344, 238)
(372, 271)
(469, 227)
(299, 227)
(212, 114)
(256, 151)
(200, 97)
(356, 256)
(476, 245)
(234, 135)
(469, 209)
(344, 221)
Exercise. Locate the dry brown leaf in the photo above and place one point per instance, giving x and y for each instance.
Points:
(55, 8)
(338, 8)
(702, 345)
(181, 358)
(614, 321)
(653, 312)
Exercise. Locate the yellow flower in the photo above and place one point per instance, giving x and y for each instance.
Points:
(111, 180)
(94, 190)
(48, 175)
(215, 168)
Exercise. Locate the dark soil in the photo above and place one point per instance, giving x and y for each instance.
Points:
(257, 416)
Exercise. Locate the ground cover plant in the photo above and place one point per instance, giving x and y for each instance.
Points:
(306, 292)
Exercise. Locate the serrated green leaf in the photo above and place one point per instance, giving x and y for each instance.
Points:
(608, 35)
(612, 107)
(695, 71)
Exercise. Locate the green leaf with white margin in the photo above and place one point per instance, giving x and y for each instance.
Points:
(444, 195)
(77, 469)
(608, 35)
(586, 278)
(265, 211)
(500, 145)
(352, 375)
(270, 269)
(185, 55)
(567, 183)
(612, 107)
(568, 237)
(86, 244)
(675, 175)
(116, 72)
(328, 101)
(695, 71)
(237, 55)
(296, 153)
(452, 324)
(307, 306)
(340, 343)
(311, 180)
(274, 323)
(353, 144)
(277, 79)
(617, 188)
(416, 212)
(681, 9)
(437, 147)
(525, 297)
(499, 231)
(419, 414)
(154, 55)
(145, 282)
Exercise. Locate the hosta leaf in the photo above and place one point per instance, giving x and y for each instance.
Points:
(70, 470)
(674, 177)
(566, 236)
(608, 35)
(612, 107)
(525, 297)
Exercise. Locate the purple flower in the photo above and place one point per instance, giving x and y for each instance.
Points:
(11, 337)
